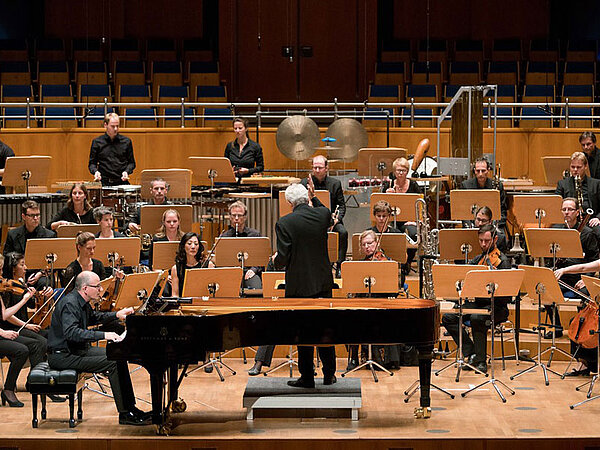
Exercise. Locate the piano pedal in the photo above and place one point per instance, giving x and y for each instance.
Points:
(422, 413)
(178, 406)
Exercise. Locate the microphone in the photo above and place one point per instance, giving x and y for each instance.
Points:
(546, 109)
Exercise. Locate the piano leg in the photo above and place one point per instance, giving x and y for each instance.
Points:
(159, 415)
(425, 358)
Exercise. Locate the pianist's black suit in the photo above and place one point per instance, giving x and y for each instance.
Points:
(302, 250)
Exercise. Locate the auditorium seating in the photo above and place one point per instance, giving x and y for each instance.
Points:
(50, 49)
(216, 117)
(172, 93)
(581, 50)
(15, 72)
(53, 72)
(378, 117)
(56, 93)
(579, 72)
(173, 117)
(93, 93)
(503, 72)
(384, 93)
(16, 92)
(17, 117)
(196, 50)
(165, 73)
(14, 50)
(506, 50)
(90, 72)
(161, 50)
(129, 72)
(468, 50)
(202, 73)
(136, 93)
(424, 73)
(207, 94)
(124, 50)
(543, 50)
(541, 72)
(87, 50)
(464, 73)
(390, 73)
(139, 118)
(59, 117)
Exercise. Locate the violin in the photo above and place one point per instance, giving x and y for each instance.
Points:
(492, 259)
(377, 256)
(585, 321)
(12, 286)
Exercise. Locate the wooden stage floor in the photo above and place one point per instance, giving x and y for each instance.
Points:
(538, 416)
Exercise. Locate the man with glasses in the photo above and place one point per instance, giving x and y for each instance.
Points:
(69, 344)
(322, 181)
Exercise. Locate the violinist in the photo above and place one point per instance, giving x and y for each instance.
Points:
(483, 216)
(77, 211)
(589, 245)
(17, 347)
(475, 349)
(85, 243)
(190, 255)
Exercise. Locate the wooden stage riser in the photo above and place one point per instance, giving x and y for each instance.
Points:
(519, 150)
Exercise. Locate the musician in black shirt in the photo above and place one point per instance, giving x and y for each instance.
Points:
(77, 211)
(111, 155)
(246, 156)
(587, 140)
(5, 152)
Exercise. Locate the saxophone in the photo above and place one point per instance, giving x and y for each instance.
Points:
(427, 247)
(579, 194)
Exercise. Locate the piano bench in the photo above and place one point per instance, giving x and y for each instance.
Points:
(42, 381)
(272, 397)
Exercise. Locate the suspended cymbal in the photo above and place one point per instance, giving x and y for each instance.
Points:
(350, 136)
(297, 137)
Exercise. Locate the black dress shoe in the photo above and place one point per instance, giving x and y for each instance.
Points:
(482, 367)
(578, 373)
(557, 334)
(329, 380)
(131, 418)
(12, 399)
(253, 371)
(208, 369)
(302, 383)
(352, 364)
(57, 398)
(141, 414)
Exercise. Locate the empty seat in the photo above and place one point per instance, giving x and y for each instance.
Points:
(434, 50)
(165, 73)
(216, 117)
(16, 92)
(133, 93)
(384, 93)
(139, 118)
(578, 93)
(544, 50)
(506, 50)
(503, 72)
(94, 93)
(87, 50)
(53, 72)
(197, 50)
(396, 51)
(161, 50)
(211, 94)
(579, 116)
(390, 73)
(450, 91)
(464, 73)
(539, 93)
(16, 117)
(506, 93)
(129, 72)
(202, 73)
(534, 117)
(423, 73)
(172, 93)
(379, 117)
(50, 49)
(422, 117)
(15, 72)
(541, 72)
(584, 50)
(579, 72)
(503, 116)
(124, 50)
(422, 92)
(90, 72)
(14, 50)
(468, 50)
(53, 93)
(60, 117)
(173, 117)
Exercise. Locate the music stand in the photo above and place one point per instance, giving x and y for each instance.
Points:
(135, 288)
(179, 181)
(555, 168)
(151, 217)
(30, 170)
(244, 252)
(489, 284)
(163, 254)
(593, 286)
(126, 250)
(540, 209)
(540, 282)
(285, 208)
(448, 280)
(378, 160)
(52, 253)
(224, 281)
(393, 245)
(369, 277)
(332, 245)
(464, 203)
(458, 243)
(208, 170)
(71, 231)
(271, 284)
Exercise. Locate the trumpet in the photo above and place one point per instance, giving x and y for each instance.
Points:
(145, 239)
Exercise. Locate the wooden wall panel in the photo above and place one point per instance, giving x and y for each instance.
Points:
(519, 151)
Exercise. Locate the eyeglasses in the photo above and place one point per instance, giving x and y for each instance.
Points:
(95, 286)
(237, 216)
(33, 216)
(402, 171)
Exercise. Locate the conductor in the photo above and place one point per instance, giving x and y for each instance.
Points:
(302, 250)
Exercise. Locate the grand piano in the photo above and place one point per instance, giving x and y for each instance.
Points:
(169, 343)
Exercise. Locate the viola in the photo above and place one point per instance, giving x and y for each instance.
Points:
(12, 286)
(585, 321)
(492, 259)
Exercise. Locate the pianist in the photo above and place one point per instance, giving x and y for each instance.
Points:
(302, 250)
(69, 344)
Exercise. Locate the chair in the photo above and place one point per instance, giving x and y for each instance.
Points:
(422, 117)
(503, 72)
(507, 327)
(544, 50)
(173, 93)
(205, 94)
(124, 50)
(16, 117)
(129, 72)
(504, 116)
(216, 117)
(533, 117)
(60, 117)
(88, 50)
(173, 118)
(50, 49)
(90, 72)
(384, 93)
(450, 91)
(53, 72)
(541, 72)
(437, 51)
(506, 93)
(539, 93)
(56, 93)
(93, 93)
(42, 381)
(16, 92)
(464, 73)
(397, 50)
(422, 74)
(379, 117)
(197, 50)
(468, 50)
(15, 72)
(422, 92)
(585, 50)
(161, 50)
(506, 50)
(139, 118)
(579, 72)
(165, 73)
(133, 93)
(203, 73)
(579, 116)
(14, 50)
(390, 73)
